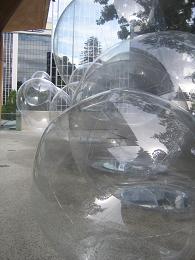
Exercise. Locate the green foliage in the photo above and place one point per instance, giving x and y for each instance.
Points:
(162, 14)
(9, 109)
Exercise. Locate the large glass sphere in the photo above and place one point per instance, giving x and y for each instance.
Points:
(159, 63)
(129, 9)
(122, 185)
(33, 101)
(78, 38)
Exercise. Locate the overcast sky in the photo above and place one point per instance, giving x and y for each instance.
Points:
(62, 6)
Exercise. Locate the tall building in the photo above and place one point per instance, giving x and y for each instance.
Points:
(7, 65)
(32, 53)
(25, 52)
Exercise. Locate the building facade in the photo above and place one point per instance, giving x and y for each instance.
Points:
(32, 54)
(7, 65)
(24, 54)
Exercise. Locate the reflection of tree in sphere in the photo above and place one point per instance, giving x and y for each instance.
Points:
(133, 195)
(33, 101)
(78, 39)
(146, 63)
(175, 50)
(129, 9)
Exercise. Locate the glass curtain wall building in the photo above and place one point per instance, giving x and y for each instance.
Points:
(32, 54)
(7, 64)
(24, 54)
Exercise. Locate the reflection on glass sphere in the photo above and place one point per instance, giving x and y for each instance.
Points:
(60, 103)
(70, 89)
(41, 75)
(122, 185)
(78, 39)
(33, 101)
(146, 63)
(79, 72)
(129, 9)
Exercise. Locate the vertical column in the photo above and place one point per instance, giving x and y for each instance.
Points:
(1, 71)
(15, 61)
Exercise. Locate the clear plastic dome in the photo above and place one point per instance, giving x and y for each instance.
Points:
(59, 103)
(33, 101)
(70, 89)
(122, 185)
(78, 38)
(41, 75)
(79, 72)
(160, 63)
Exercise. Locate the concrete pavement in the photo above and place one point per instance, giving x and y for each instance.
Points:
(20, 235)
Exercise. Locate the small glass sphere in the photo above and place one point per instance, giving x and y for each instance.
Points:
(78, 38)
(61, 101)
(41, 75)
(145, 63)
(33, 101)
(79, 72)
(122, 185)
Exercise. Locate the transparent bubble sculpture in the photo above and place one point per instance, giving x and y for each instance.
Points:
(78, 38)
(41, 75)
(160, 63)
(60, 103)
(114, 173)
(129, 9)
(33, 101)
(79, 72)
(69, 89)
(114, 179)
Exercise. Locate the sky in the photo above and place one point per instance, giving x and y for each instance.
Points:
(62, 5)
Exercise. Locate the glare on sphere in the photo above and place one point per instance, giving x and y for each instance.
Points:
(129, 9)
(33, 101)
(78, 38)
(161, 63)
(122, 186)
(41, 75)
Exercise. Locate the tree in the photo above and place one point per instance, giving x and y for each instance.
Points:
(92, 49)
(9, 109)
(156, 15)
